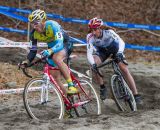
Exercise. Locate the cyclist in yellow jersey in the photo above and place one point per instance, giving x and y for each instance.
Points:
(50, 31)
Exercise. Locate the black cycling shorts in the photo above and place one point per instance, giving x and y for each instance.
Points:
(104, 53)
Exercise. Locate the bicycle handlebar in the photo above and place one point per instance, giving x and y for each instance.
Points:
(24, 67)
(105, 63)
(98, 72)
(37, 61)
(102, 65)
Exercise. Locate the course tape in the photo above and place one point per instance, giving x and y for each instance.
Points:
(15, 16)
(77, 20)
(20, 90)
(5, 43)
(143, 48)
(13, 30)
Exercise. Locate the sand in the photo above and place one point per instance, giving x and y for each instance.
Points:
(147, 76)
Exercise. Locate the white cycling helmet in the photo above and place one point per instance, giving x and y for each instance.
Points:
(37, 15)
(95, 23)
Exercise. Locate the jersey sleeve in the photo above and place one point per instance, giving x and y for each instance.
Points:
(90, 49)
(33, 50)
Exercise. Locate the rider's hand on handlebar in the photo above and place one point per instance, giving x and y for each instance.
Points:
(94, 67)
(23, 64)
(47, 53)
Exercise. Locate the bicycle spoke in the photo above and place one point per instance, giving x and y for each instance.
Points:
(122, 94)
(44, 103)
(87, 102)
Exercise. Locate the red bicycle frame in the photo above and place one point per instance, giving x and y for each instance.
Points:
(68, 104)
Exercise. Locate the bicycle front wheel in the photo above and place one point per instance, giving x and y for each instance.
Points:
(87, 101)
(42, 101)
(122, 94)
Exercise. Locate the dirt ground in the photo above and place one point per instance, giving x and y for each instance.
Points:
(146, 74)
(144, 65)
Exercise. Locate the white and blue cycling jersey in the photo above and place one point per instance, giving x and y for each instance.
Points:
(108, 43)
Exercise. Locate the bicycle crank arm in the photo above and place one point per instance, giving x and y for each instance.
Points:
(45, 102)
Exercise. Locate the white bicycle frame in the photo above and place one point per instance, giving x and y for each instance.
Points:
(44, 89)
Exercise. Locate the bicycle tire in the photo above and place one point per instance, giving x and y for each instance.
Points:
(38, 109)
(122, 94)
(87, 93)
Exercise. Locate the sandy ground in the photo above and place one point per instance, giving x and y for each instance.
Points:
(147, 76)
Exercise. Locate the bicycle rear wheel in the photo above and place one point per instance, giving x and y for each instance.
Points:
(87, 101)
(122, 94)
(41, 101)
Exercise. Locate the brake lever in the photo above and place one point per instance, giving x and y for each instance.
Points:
(19, 65)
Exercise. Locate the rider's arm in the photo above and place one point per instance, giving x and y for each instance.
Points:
(58, 43)
(121, 46)
(90, 49)
(33, 50)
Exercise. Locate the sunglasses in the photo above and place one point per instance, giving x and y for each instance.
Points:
(35, 24)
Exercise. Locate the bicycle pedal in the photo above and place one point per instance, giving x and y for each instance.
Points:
(68, 115)
(45, 102)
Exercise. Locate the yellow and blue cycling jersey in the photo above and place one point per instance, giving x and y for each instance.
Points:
(54, 36)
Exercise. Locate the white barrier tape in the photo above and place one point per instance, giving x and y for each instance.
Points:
(20, 90)
(5, 39)
(15, 44)
(8, 43)
(20, 44)
(27, 44)
(11, 91)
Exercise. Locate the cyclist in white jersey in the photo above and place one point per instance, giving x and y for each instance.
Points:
(102, 41)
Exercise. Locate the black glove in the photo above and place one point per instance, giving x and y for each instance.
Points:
(23, 64)
(94, 67)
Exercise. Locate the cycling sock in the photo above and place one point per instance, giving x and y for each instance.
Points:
(102, 86)
(70, 83)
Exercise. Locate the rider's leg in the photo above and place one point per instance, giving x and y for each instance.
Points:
(125, 71)
(58, 78)
(98, 61)
(58, 59)
(103, 93)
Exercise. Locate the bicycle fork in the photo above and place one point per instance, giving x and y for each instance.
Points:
(124, 91)
(44, 90)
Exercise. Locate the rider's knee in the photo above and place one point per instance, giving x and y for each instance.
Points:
(58, 57)
(120, 57)
(124, 69)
